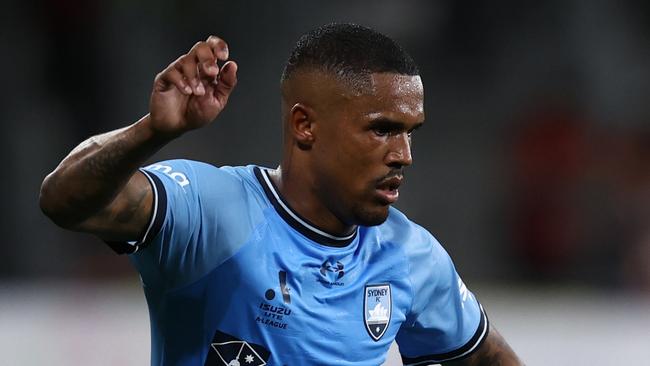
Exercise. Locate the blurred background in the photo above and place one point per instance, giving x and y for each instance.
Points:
(533, 168)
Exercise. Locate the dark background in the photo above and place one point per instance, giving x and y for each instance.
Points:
(533, 168)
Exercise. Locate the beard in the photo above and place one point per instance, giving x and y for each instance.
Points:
(367, 216)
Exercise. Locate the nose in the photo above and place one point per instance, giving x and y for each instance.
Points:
(399, 153)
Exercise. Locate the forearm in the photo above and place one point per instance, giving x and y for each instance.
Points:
(90, 177)
(96, 188)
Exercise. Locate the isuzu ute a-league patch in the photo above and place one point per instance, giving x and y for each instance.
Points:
(377, 305)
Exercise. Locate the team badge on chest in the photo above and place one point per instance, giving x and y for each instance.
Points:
(377, 305)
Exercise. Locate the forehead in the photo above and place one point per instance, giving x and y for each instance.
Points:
(392, 93)
(396, 84)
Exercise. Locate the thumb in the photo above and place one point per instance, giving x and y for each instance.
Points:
(227, 81)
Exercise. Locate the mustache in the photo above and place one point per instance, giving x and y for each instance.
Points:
(394, 173)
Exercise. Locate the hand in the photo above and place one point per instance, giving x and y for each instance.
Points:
(192, 90)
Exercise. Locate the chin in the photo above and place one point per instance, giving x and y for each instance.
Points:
(375, 217)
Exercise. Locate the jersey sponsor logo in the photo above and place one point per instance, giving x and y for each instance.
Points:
(286, 297)
(179, 178)
(227, 350)
(377, 306)
(279, 310)
(331, 273)
(275, 316)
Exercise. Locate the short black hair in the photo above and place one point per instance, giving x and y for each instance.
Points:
(348, 50)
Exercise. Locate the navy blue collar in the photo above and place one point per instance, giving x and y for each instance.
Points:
(294, 219)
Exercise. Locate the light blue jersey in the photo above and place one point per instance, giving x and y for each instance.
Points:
(233, 276)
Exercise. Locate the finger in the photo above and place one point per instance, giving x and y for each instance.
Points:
(171, 76)
(227, 81)
(219, 47)
(186, 65)
(206, 60)
(228, 74)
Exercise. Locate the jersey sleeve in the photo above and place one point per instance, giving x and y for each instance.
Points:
(445, 322)
(197, 209)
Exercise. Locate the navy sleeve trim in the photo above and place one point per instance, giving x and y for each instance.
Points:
(462, 352)
(155, 222)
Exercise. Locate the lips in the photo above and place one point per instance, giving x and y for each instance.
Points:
(387, 189)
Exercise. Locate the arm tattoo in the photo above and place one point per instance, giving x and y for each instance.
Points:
(136, 202)
(95, 172)
(108, 160)
(90, 190)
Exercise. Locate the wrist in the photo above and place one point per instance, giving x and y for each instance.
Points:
(154, 134)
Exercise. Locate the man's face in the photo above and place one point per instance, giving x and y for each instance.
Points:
(363, 143)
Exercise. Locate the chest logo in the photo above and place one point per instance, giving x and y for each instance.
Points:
(377, 305)
(331, 273)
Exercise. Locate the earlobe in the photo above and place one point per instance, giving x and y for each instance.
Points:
(301, 118)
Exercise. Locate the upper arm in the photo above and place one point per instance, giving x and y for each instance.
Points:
(493, 351)
(199, 215)
(127, 216)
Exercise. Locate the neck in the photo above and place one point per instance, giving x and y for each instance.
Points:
(297, 188)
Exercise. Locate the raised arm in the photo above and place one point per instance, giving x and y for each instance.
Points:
(494, 351)
(97, 188)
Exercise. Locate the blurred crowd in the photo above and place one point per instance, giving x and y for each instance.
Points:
(581, 198)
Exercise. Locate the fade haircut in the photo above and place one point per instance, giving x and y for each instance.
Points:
(350, 52)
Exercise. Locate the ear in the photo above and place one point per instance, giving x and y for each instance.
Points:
(301, 125)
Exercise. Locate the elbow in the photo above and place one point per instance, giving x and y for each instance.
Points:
(50, 202)
(47, 199)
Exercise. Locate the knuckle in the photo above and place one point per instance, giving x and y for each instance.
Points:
(185, 62)
(181, 61)
(166, 74)
(204, 50)
(172, 74)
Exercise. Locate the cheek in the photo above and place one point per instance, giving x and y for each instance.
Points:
(350, 160)
(363, 148)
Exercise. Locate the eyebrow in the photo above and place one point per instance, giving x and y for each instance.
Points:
(390, 124)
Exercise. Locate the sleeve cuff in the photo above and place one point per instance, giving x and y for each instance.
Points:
(464, 351)
(155, 221)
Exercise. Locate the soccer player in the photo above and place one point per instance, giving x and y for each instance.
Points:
(305, 264)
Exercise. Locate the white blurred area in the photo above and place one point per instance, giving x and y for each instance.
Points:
(65, 323)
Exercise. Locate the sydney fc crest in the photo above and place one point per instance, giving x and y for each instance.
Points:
(377, 305)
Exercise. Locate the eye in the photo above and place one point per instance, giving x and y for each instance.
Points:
(381, 131)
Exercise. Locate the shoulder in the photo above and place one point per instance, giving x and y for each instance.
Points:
(181, 170)
(201, 177)
(420, 249)
(398, 228)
